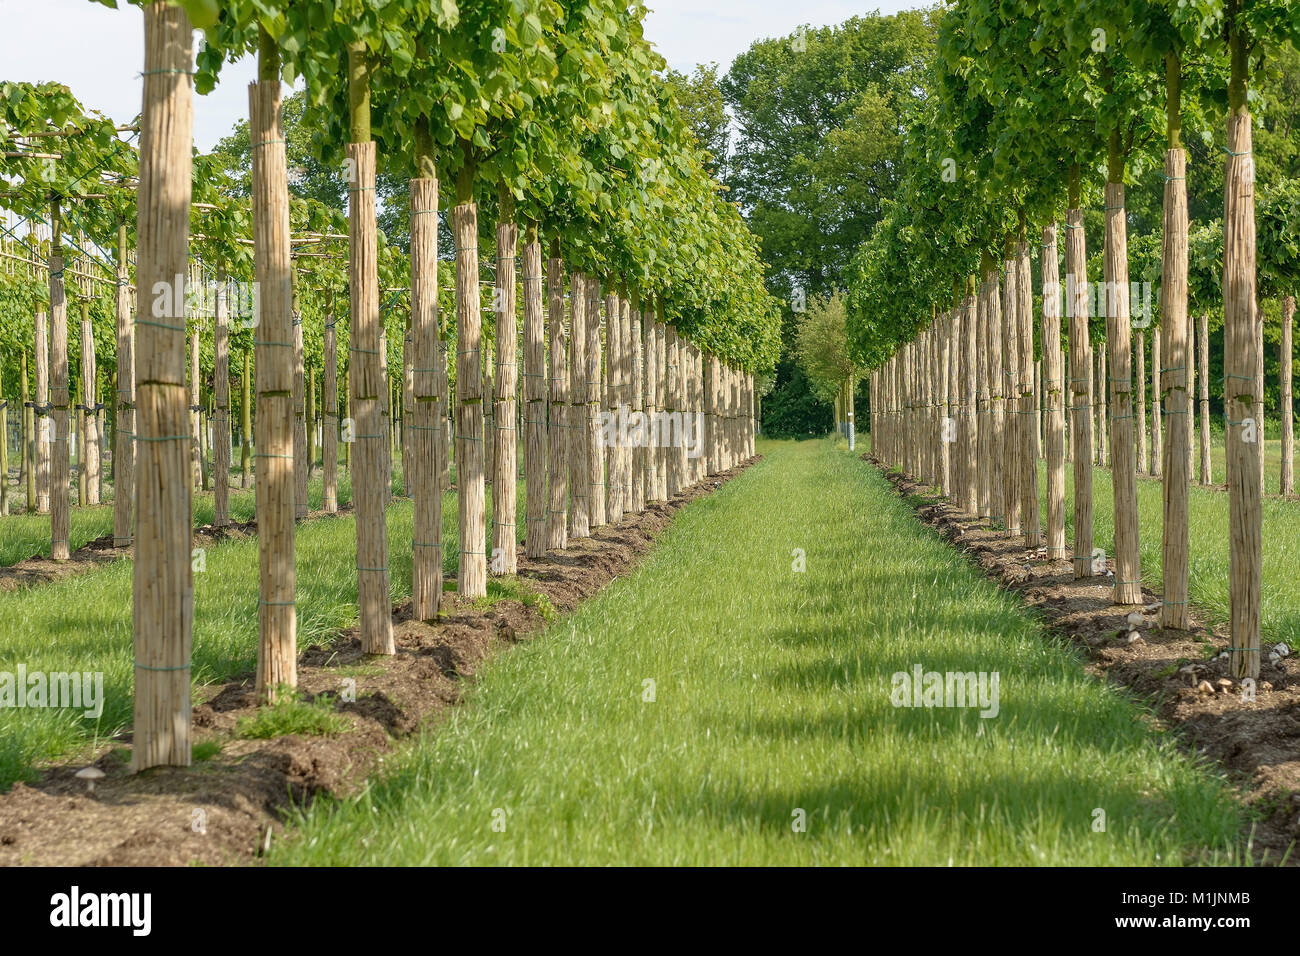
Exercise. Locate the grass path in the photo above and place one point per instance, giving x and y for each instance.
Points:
(771, 698)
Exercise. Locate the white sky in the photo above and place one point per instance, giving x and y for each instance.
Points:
(98, 52)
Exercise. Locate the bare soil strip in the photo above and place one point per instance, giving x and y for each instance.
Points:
(1183, 675)
(226, 809)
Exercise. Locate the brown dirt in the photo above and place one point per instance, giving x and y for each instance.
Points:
(41, 570)
(1183, 675)
(226, 809)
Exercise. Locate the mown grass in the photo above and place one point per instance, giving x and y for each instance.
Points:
(24, 536)
(771, 696)
(1209, 565)
(83, 623)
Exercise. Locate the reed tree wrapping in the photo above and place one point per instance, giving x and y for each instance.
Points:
(505, 459)
(535, 493)
(672, 404)
(557, 420)
(163, 587)
(221, 407)
(1013, 445)
(472, 580)
(60, 467)
(1285, 399)
(1139, 347)
(1175, 393)
(277, 656)
(661, 389)
(613, 369)
(650, 350)
(1203, 390)
(943, 407)
(90, 468)
(575, 431)
(124, 434)
(1077, 309)
(1157, 407)
(1054, 396)
(301, 463)
(1119, 337)
(330, 419)
(983, 398)
(28, 430)
(1242, 343)
(969, 424)
(595, 455)
(635, 457)
(625, 347)
(196, 412)
(43, 424)
(423, 467)
(1030, 519)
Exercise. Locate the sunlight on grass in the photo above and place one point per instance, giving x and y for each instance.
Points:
(696, 710)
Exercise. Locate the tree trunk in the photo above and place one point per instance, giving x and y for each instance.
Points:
(970, 435)
(423, 468)
(1242, 344)
(4, 450)
(1014, 475)
(1077, 307)
(1039, 442)
(672, 401)
(368, 383)
(557, 445)
(575, 431)
(1175, 393)
(1285, 402)
(43, 420)
(472, 578)
(1140, 359)
(310, 382)
(124, 446)
(636, 399)
(1157, 409)
(29, 439)
(1203, 376)
(535, 493)
(162, 576)
(90, 406)
(60, 503)
(1030, 519)
(595, 455)
(196, 422)
(1119, 337)
(1054, 396)
(613, 479)
(221, 420)
(246, 422)
(330, 417)
(277, 656)
(505, 460)
(650, 349)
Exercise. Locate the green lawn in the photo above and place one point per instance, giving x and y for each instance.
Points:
(1208, 569)
(84, 623)
(25, 535)
(771, 700)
